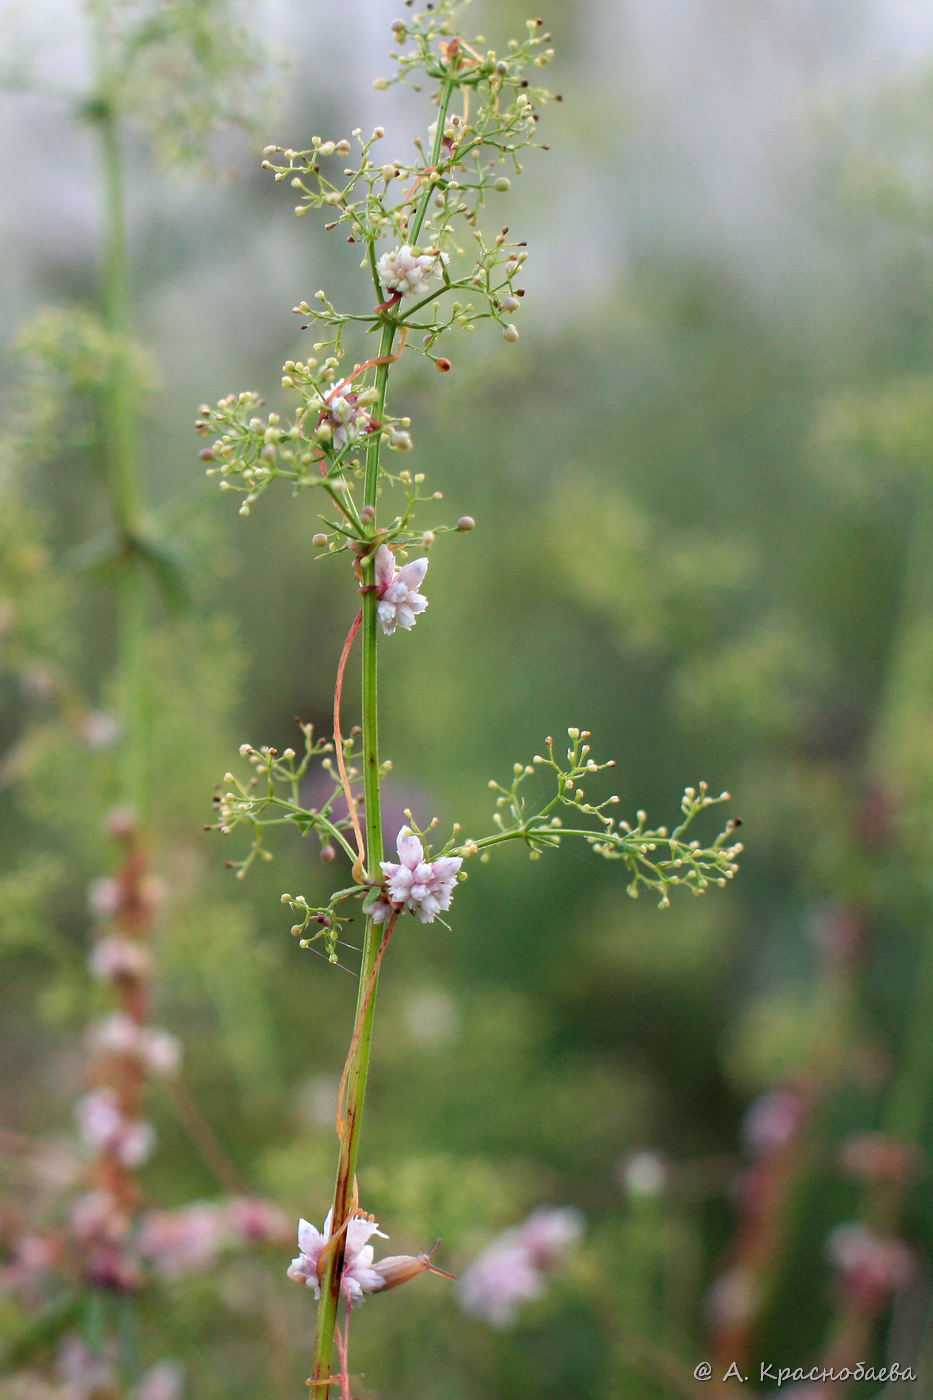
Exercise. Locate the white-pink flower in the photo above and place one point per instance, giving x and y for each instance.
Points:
(358, 1276)
(348, 420)
(423, 887)
(185, 1241)
(115, 959)
(409, 272)
(163, 1381)
(513, 1268)
(118, 1034)
(399, 599)
(497, 1282)
(104, 1128)
(256, 1221)
(871, 1266)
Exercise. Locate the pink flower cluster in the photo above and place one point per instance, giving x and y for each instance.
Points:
(119, 1035)
(514, 1267)
(870, 1266)
(423, 887)
(773, 1121)
(399, 600)
(115, 959)
(348, 420)
(87, 1374)
(105, 1128)
(359, 1275)
(408, 272)
(190, 1240)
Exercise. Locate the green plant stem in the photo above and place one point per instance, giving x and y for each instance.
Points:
(369, 972)
(359, 1068)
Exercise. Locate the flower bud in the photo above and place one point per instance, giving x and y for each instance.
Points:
(466, 522)
(399, 1268)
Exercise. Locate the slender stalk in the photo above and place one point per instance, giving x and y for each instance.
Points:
(358, 1064)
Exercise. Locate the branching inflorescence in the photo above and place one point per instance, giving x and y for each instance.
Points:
(431, 271)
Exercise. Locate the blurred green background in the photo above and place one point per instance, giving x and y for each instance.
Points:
(701, 482)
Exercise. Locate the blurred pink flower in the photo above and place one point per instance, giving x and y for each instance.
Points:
(104, 897)
(163, 1381)
(185, 1241)
(99, 1217)
(424, 887)
(513, 1268)
(105, 1129)
(773, 1121)
(358, 1277)
(116, 959)
(257, 1221)
(83, 1372)
(877, 1157)
(733, 1297)
(871, 1267)
(399, 599)
(119, 1034)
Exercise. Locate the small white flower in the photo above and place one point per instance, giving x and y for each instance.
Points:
(348, 421)
(424, 887)
(399, 599)
(409, 272)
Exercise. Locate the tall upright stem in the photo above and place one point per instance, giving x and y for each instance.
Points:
(366, 1004)
(351, 1118)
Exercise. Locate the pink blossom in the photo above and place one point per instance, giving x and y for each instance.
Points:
(30, 1257)
(185, 1241)
(118, 1034)
(256, 1221)
(98, 1217)
(513, 1268)
(160, 1051)
(424, 887)
(104, 1128)
(115, 959)
(871, 1266)
(346, 417)
(101, 729)
(548, 1232)
(84, 1372)
(163, 1381)
(733, 1297)
(409, 272)
(773, 1121)
(399, 600)
(104, 897)
(497, 1282)
(876, 1157)
(358, 1276)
